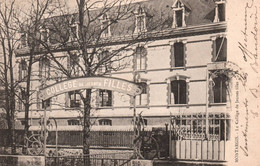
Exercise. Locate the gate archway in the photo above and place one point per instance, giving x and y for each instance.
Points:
(107, 83)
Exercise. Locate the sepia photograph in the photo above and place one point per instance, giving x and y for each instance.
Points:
(129, 83)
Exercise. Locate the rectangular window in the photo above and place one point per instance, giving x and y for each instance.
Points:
(46, 103)
(178, 14)
(105, 97)
(221, 49)
(44, 35)
(105, 122)
(140, 58)
(23, 94)
(74, 32)
(73, 122)
(74, 64)
(24, 65)
(220, 89)
(143, 97)
(105, 29)
(140, 23)
(22, 69)
(178, 92)
(22, 122)
(105, 61)
(23, 39)
(54, 36)
(44, 67)
(195, 128)
(178, 54)
(75, 99)
(221, 12)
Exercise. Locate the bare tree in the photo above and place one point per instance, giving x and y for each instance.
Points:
(84, 36)
(14, 22)
(30, 24)
(8, 42)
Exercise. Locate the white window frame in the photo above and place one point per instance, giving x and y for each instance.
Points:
(140, 15)
(105, 26)
(217, 3)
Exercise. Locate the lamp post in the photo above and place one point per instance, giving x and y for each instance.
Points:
(45, 134)
(136, 133)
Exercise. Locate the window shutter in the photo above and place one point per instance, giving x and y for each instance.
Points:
(213, 48)
(187, 91)
(172, 62)
(144, 99)
(67, 100)
(184, 54)
(98, 98)
(145, 58)
(68, 63)
(137, 100)
(148, 93)
(134, 61)
(112, 98)
(40, 67)
(211, 93)
(168, 92)
(38, 101)
(20, 71)
(132, 101)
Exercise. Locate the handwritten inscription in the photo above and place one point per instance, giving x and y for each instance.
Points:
(244, 148)
(250, 35)
(249, 51)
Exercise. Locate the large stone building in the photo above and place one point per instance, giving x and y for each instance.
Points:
(179, 65)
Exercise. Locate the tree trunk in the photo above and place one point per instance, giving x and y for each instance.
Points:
(27, 100)
(26, 129)
(12, 109)
(86, 127)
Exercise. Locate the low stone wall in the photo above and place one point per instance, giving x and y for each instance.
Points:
(18, 160)
(137, 162)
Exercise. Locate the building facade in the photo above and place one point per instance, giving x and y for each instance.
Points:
(180, 68)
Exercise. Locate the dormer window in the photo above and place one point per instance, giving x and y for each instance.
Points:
(140, 20)
(74, 32)
(105, 26)
(220, 11)
(180, 11)
(23, 39)
(44, 35)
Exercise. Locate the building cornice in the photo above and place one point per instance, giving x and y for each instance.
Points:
(147, 36)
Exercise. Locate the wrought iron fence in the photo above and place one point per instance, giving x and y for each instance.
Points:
(111, 159)
(198, 137)
(74, 138)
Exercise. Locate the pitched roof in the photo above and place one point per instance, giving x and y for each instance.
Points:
(201, 12)
(159, 19)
